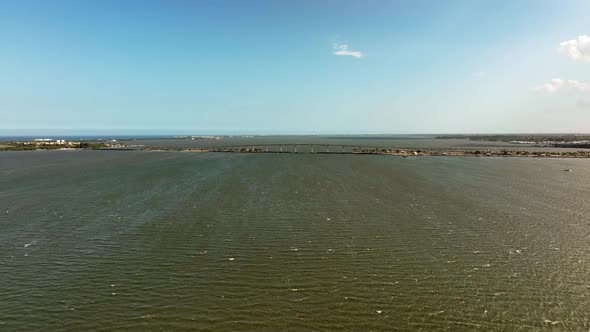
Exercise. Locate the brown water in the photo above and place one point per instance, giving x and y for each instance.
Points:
(136, 241)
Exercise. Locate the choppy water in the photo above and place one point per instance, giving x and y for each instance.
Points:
(136, 241)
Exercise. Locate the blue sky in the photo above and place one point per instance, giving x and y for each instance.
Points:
(295, 66)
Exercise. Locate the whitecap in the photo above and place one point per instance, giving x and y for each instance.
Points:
(547, 321)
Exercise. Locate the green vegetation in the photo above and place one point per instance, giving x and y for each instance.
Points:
(28, 146)
(91, 145)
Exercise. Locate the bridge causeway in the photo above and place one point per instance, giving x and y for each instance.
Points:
(310, 149)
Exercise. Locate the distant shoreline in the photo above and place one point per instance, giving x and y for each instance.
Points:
(402, 153)
(384, 152)
(405, 152)
(298, 148)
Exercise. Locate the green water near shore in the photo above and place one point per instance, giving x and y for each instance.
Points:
(136, 241)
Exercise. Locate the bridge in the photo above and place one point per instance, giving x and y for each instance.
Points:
(311, 148)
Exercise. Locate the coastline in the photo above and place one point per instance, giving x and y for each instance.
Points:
(321, 149)
(389, 152)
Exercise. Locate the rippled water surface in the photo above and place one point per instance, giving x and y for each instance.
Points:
(139, 241)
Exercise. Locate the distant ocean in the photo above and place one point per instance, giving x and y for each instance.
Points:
(80, 137)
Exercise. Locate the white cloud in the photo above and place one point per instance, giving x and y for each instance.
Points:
(577, 49)
(478, 74)
(557, 84)
(583, 103)
(342, 49)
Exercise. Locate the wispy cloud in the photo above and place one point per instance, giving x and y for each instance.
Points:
(557, 84)
(342, 49)
(577, 49)
(478, 74)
